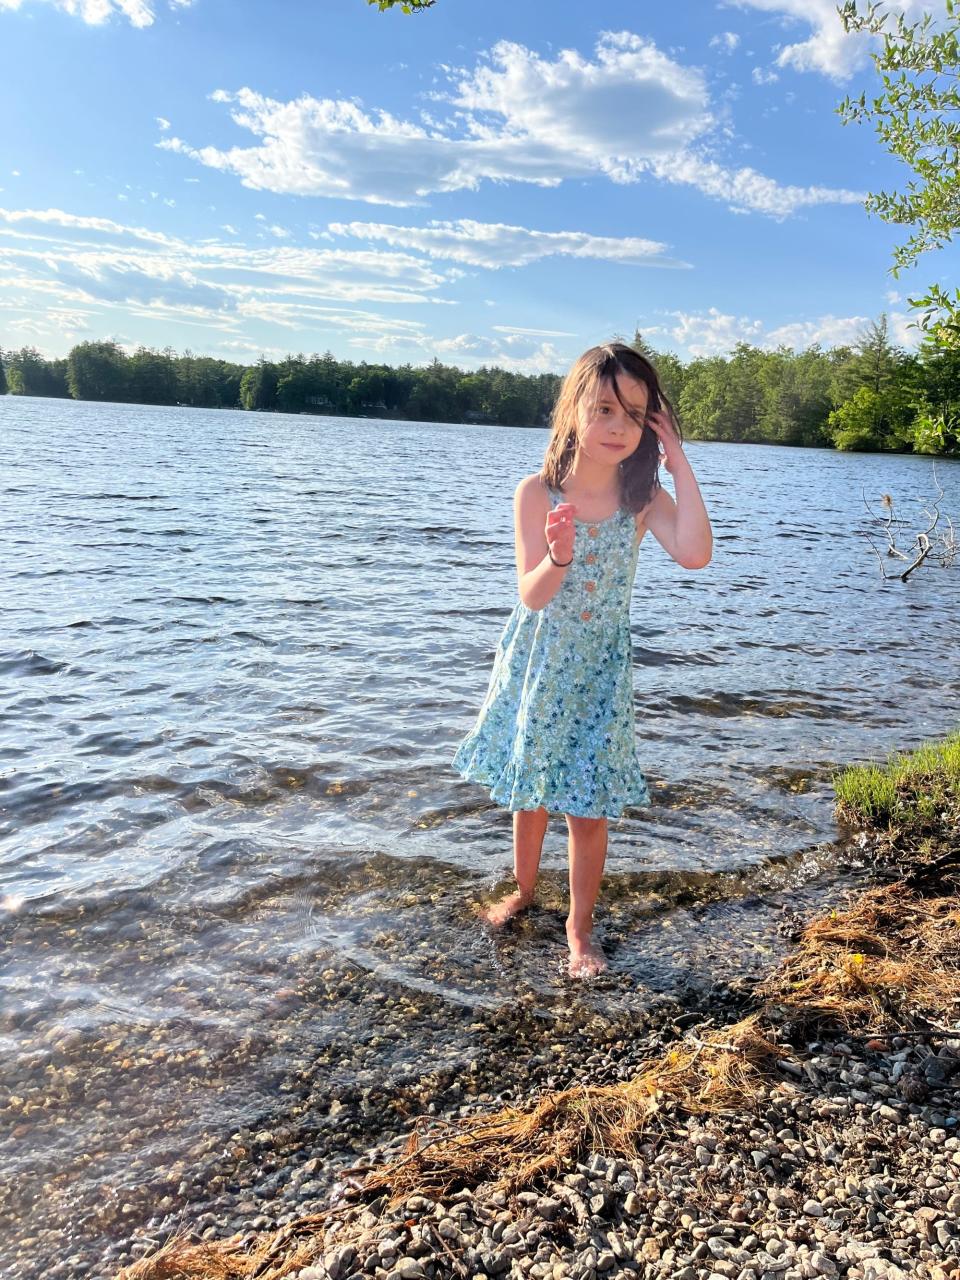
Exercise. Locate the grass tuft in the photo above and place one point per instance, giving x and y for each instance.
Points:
(911, 793)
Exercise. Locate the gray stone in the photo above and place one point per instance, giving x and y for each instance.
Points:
(822, 1264)
(408, 1269)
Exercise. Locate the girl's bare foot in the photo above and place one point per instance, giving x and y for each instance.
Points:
(586, 958)
(508, 907)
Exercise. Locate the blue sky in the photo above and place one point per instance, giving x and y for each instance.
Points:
(486, 182)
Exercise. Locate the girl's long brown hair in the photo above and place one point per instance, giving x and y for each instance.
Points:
(639, 474)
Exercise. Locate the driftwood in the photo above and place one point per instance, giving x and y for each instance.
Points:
(937, 539)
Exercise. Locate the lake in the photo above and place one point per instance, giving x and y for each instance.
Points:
(239, 651)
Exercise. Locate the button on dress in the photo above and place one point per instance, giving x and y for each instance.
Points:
(556, 729)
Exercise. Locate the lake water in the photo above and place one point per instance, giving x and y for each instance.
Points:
(238, 653)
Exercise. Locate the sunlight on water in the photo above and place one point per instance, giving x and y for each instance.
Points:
(239, 653)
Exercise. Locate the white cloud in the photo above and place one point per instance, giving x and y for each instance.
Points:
(531, 333)
(705, 333)
(828, 331)
(139, 13)
(515, 351)
(712, 332)
(516, 117)
(745, 190)
(82, 222)
(591, 108)
(828, 49)
(97, 260)
(163, 123)
(763, 75)
(240, 346)
(497, 244)
(725, 41)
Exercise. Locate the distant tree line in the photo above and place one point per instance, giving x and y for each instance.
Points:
(868, 396)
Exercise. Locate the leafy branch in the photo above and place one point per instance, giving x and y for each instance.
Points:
(917, 118)
(407, 6)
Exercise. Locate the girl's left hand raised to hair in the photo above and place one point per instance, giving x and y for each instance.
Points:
(661, 424)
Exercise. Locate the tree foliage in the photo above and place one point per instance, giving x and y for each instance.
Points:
(916, 118)
(3, 377)
(407, 6)
(98, 371)
(871, 395)
(31, 374)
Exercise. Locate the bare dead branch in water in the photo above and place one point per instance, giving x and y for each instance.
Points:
(942, 544)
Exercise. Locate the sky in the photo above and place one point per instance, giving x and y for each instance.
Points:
(486, 182)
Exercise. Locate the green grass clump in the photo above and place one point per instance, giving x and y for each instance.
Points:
(913, 791)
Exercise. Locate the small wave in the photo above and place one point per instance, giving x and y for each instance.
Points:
(646, 657)
(208, 600)
(113, 743)
(118, 497)
(775, 705)
(31, 663)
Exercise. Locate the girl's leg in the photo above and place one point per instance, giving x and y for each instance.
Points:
(588, 851)
(529, 828)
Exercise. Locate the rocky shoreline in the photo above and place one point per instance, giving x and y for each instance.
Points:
(818, 1136)
(798, 1124)
(833, 1171)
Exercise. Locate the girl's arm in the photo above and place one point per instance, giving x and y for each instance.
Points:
(683, 527)
(539, 530)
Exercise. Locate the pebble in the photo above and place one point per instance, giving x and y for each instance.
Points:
(805, 1185)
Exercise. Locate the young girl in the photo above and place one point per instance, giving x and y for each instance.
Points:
(555, 733)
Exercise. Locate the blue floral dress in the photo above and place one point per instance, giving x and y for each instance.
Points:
(556, 728)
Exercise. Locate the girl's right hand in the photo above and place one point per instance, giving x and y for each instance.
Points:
(560, 531)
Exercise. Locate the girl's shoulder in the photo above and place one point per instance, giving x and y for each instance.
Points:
(531, 502)
(533, 490)
(642, 516)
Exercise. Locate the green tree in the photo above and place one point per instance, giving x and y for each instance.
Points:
(258, 386)
(874, 362)
(152, 377)
(796, 397)
(367, 390)
(98, 371)
(296, 385)
(434, 394)
(643, 347)
(3, 376)
(933, 388)
(917, 118)
(874, 420)
(703, 399)
(669, 367)
(671, 372)
(31, 374)
(936, 433)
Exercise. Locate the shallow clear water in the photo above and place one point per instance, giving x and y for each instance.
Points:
(238, 652)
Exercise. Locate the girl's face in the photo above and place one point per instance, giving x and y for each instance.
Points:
(610, 431)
